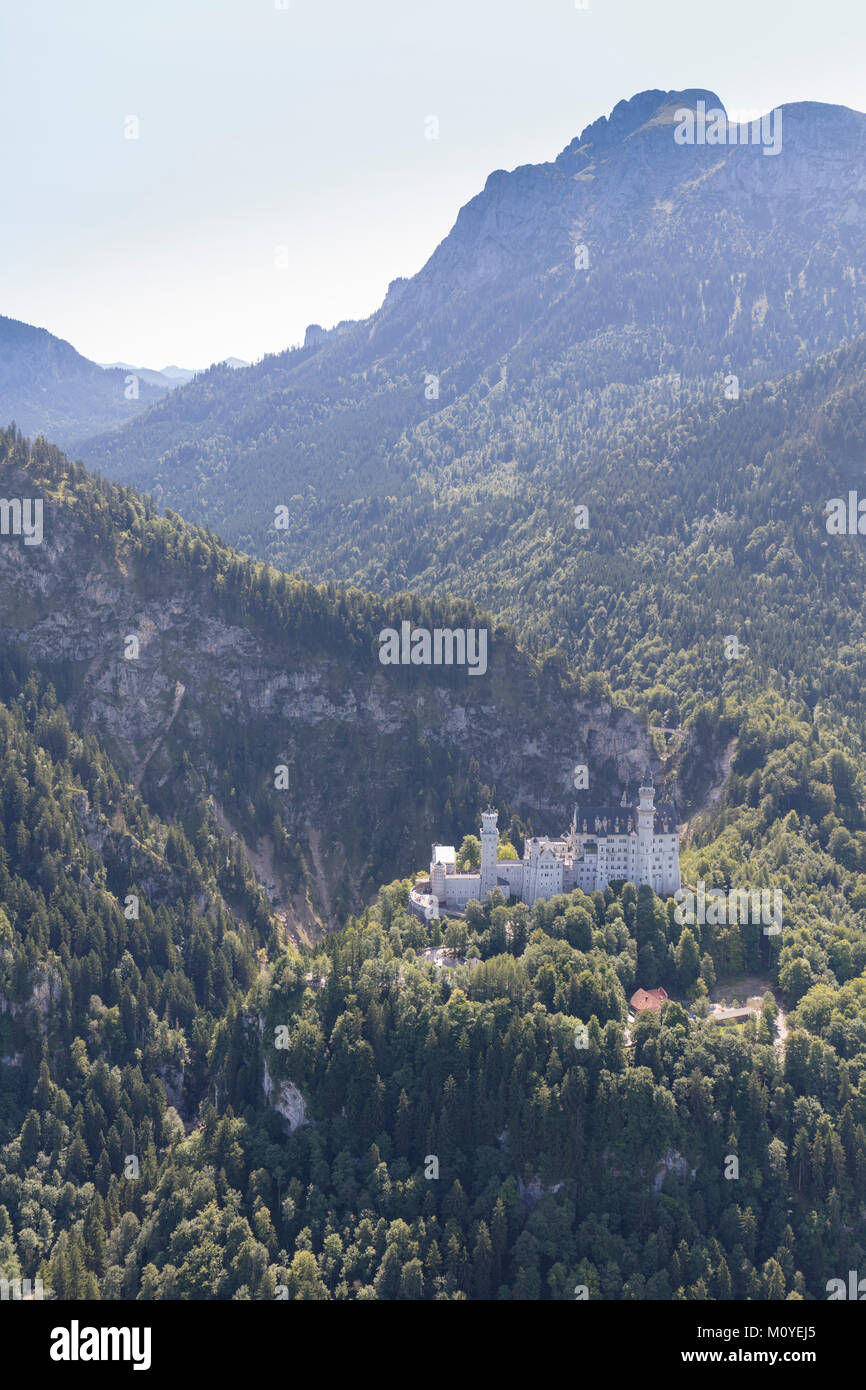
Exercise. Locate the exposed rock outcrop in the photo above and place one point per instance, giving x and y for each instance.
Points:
(286, 1099)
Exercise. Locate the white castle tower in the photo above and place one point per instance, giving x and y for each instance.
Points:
(489, 850)
(646, 816)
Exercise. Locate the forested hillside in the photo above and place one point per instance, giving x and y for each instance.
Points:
(195, 1106)
(203, 673)
(191, 1110)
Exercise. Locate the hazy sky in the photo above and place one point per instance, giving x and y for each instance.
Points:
(304, 128)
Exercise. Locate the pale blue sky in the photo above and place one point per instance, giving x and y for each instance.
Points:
(304, 128)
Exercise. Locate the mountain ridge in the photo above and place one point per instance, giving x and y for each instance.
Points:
(703, 261)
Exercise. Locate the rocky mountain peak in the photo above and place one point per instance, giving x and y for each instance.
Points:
(631, 115)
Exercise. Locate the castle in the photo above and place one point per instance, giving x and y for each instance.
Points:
(635, 841)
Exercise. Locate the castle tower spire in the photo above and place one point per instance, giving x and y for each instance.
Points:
(646, 818)
(489, 850)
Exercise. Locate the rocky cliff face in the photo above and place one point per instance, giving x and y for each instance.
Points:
(286, 1099)
(193, 699)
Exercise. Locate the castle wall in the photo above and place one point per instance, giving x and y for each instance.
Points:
(542, 876)
(459, 888)
(512, 871)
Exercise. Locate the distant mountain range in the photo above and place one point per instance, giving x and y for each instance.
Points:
(48, 388)
(169, 377)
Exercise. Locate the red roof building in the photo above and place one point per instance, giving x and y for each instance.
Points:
(648, 999)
